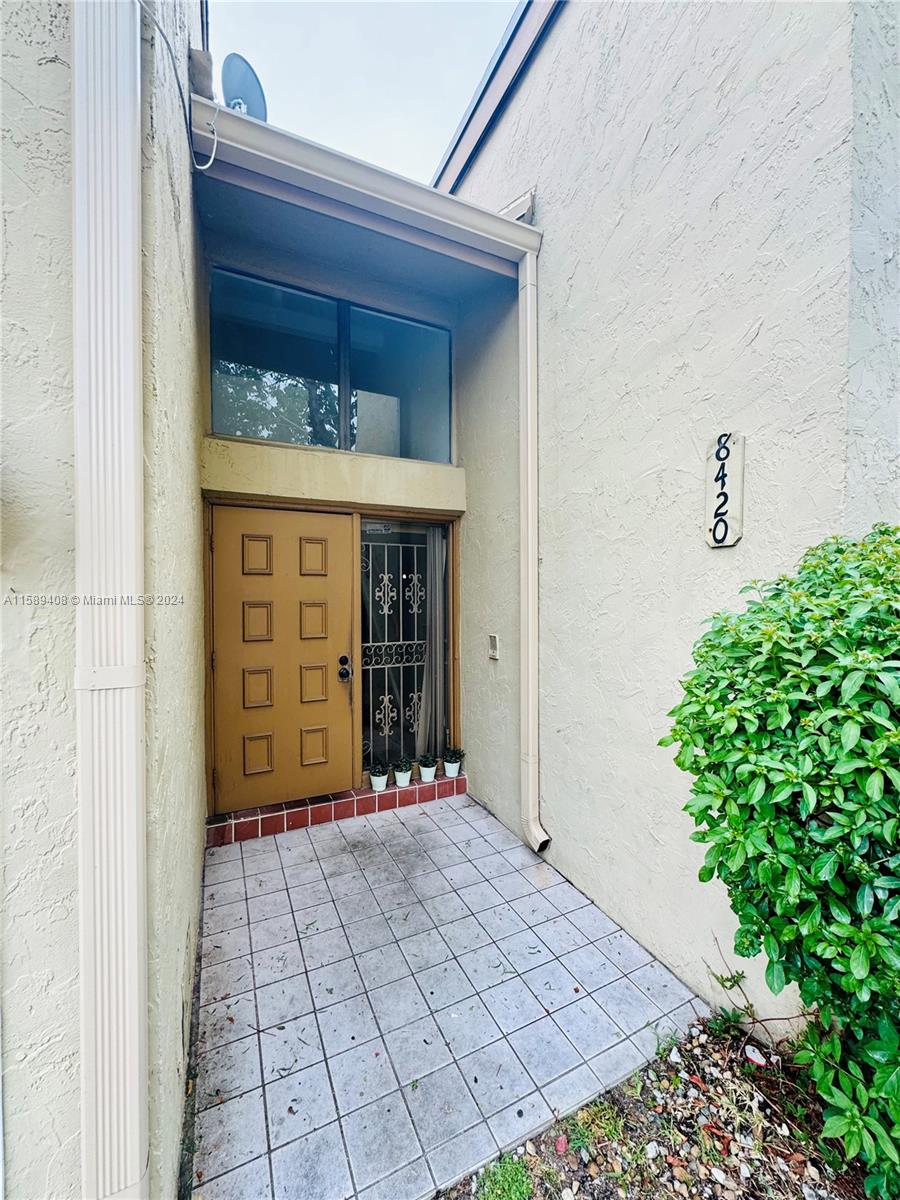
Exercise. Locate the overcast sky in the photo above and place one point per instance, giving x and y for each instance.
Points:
(384, 80)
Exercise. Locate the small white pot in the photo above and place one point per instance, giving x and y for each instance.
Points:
(403, 778)
(427, 774)
(379, 782)
(451, 770)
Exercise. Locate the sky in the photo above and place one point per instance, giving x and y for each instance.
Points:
(384, 80)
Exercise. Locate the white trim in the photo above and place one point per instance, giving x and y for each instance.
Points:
(529, 563)
(263, 185)
(109, 550)
(521, 209)
(276, 154)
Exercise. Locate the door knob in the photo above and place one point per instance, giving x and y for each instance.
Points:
(345, 671)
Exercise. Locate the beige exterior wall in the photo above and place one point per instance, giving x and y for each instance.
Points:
(487, 389)
(40, 914)
(693, 173)
(234, 466)
(174, 391)
(39, 942)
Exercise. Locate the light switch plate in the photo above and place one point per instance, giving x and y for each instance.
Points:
(493, 646)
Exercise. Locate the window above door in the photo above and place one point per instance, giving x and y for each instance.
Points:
(293, 367)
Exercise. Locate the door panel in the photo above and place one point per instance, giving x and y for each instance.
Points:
(283, 587)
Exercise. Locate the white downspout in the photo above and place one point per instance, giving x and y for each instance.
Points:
(109, 561)
(535, 835)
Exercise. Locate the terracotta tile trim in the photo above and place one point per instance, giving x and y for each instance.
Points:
(298, 814)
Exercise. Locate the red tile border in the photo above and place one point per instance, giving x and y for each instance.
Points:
(272, 824)
(219, 835)
(297, 818)
(240, 826)
(244, 830)
(387, 799)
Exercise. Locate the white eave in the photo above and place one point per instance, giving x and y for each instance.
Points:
(363, 191)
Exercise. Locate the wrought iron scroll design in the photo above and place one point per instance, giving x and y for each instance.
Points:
(393, 646)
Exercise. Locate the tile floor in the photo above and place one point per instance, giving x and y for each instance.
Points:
(389, 1001)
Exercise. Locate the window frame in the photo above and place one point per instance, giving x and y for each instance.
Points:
(344, 307)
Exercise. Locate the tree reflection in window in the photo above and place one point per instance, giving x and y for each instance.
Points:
(255, 402)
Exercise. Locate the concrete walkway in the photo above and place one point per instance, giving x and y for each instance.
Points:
(389, 1001)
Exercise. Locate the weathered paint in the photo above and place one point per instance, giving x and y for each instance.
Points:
(695, 188)
(174, 324)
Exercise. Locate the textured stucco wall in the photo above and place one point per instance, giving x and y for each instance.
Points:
(487, 422)
(173, 422)
(39, 942)
(693, 174)
(873, 393)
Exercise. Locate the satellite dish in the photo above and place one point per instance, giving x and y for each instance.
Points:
(242, 89)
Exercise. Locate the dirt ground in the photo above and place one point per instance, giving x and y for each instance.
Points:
(715, 1116)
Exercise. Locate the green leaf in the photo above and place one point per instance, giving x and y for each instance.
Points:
(835, 1126)
(825, 866)
(865, 899)
(859, 962)
(875, 785)
(758, 790)
(775, 977)
(887, 1080)
(851, 685)
(884, 1140)
(849, 736)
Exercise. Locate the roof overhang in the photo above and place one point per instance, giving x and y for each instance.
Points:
(264, 157)
(526, 28)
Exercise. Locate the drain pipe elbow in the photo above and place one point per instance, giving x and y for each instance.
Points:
(533, 832)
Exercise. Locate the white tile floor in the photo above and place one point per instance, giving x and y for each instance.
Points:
(389, 1001)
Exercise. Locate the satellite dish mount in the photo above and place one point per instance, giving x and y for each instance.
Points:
(241, 88)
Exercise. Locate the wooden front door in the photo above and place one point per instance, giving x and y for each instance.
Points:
(282, 608)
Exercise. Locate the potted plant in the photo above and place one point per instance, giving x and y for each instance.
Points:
(378, 776)
(453, 757)
(427, 767)
(402, 771)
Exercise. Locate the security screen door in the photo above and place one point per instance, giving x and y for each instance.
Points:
(282, 638)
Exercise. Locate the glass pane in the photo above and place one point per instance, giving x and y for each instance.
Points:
(274, 362)
(400, 387)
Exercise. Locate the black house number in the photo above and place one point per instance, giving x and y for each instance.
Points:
(725, 490)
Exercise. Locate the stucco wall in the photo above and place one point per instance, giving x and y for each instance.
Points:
(873, 392)
(487, 421)
(693, 174)
(173, 423)
(39, 943)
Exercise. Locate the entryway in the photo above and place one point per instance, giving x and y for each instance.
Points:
(387, 1002)
(330, 637)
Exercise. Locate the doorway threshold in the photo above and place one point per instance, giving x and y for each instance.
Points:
(247, 823)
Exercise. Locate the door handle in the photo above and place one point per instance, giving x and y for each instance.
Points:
(345, 670)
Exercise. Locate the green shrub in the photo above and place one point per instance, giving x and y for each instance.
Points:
(790, 724)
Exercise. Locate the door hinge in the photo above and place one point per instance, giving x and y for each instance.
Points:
(210, 542)
(212, 661)
(215, 778)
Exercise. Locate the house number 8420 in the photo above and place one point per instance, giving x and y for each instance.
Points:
(725, 490)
